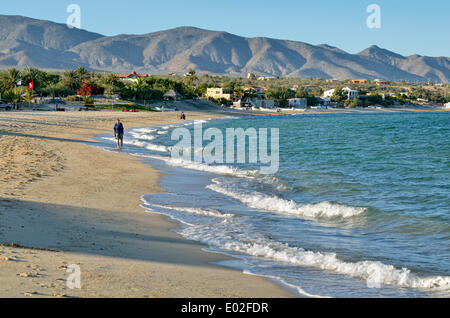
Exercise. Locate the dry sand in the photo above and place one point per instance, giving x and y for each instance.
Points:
(65, 202)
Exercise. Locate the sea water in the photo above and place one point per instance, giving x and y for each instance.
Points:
(360, 205)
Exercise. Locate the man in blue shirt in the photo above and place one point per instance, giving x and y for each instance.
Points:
(118, 133)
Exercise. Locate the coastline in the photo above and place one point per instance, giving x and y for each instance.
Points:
(71, 213)
(359, 110)
(122, 250)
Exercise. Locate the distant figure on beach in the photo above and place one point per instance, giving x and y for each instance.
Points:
(118, 133)
(182, 116)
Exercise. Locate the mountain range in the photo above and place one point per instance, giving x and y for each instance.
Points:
(48, 45)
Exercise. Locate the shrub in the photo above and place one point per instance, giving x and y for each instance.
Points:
(351, 103)
(89, 89)
(88, 102)
(73, 98)
(222, 101)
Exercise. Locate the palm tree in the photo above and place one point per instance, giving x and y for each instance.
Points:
(191, 77)
(238, 92)
(10, 78)
(71, 80)
(31, 74)
(250, 93)
(111, 84)
(140, 83)
(12, 96)
(82, 73)
(139, 86)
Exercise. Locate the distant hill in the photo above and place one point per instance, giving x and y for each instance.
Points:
(30, 42)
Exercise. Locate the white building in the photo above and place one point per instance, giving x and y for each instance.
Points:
(447, 105)
(351, 93)
(297, 102)
(266, 78)
(328, 93)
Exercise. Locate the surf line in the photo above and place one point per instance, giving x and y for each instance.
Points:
(191, 148)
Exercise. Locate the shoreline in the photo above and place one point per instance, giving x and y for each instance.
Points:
(179, 218)
(357, 110)
(226, 257)
(122, 251)
(111, 242)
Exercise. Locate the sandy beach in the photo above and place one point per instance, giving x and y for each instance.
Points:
(63, 202)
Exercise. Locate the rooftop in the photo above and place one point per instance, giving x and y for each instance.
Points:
(131, 75)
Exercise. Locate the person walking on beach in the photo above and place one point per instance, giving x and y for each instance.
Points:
(118, 133)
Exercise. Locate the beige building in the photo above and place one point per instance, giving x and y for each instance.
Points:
(218, 93)
(358, 81)
(132, 77)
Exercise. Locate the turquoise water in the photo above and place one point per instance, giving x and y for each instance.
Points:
(360, 206)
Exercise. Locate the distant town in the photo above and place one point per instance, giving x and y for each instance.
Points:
(30, 87)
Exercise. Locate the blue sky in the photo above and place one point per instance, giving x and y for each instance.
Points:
(407, 27)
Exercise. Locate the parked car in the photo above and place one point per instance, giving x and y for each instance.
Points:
(4, 106)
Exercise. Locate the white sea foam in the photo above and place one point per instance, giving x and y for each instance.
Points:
(238, 237)
(216, 169)
(145, 137)
(199, 211)
(144, 130)
(201, 121)
(375, 273)
(260, 201)
(142, 135)
(192, 122)
(159, 148)
(149, 209)
(300, 290)
(143, 144)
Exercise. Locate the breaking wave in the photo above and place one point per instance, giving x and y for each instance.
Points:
(216, 169)
(272, 203)
(375, 273)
